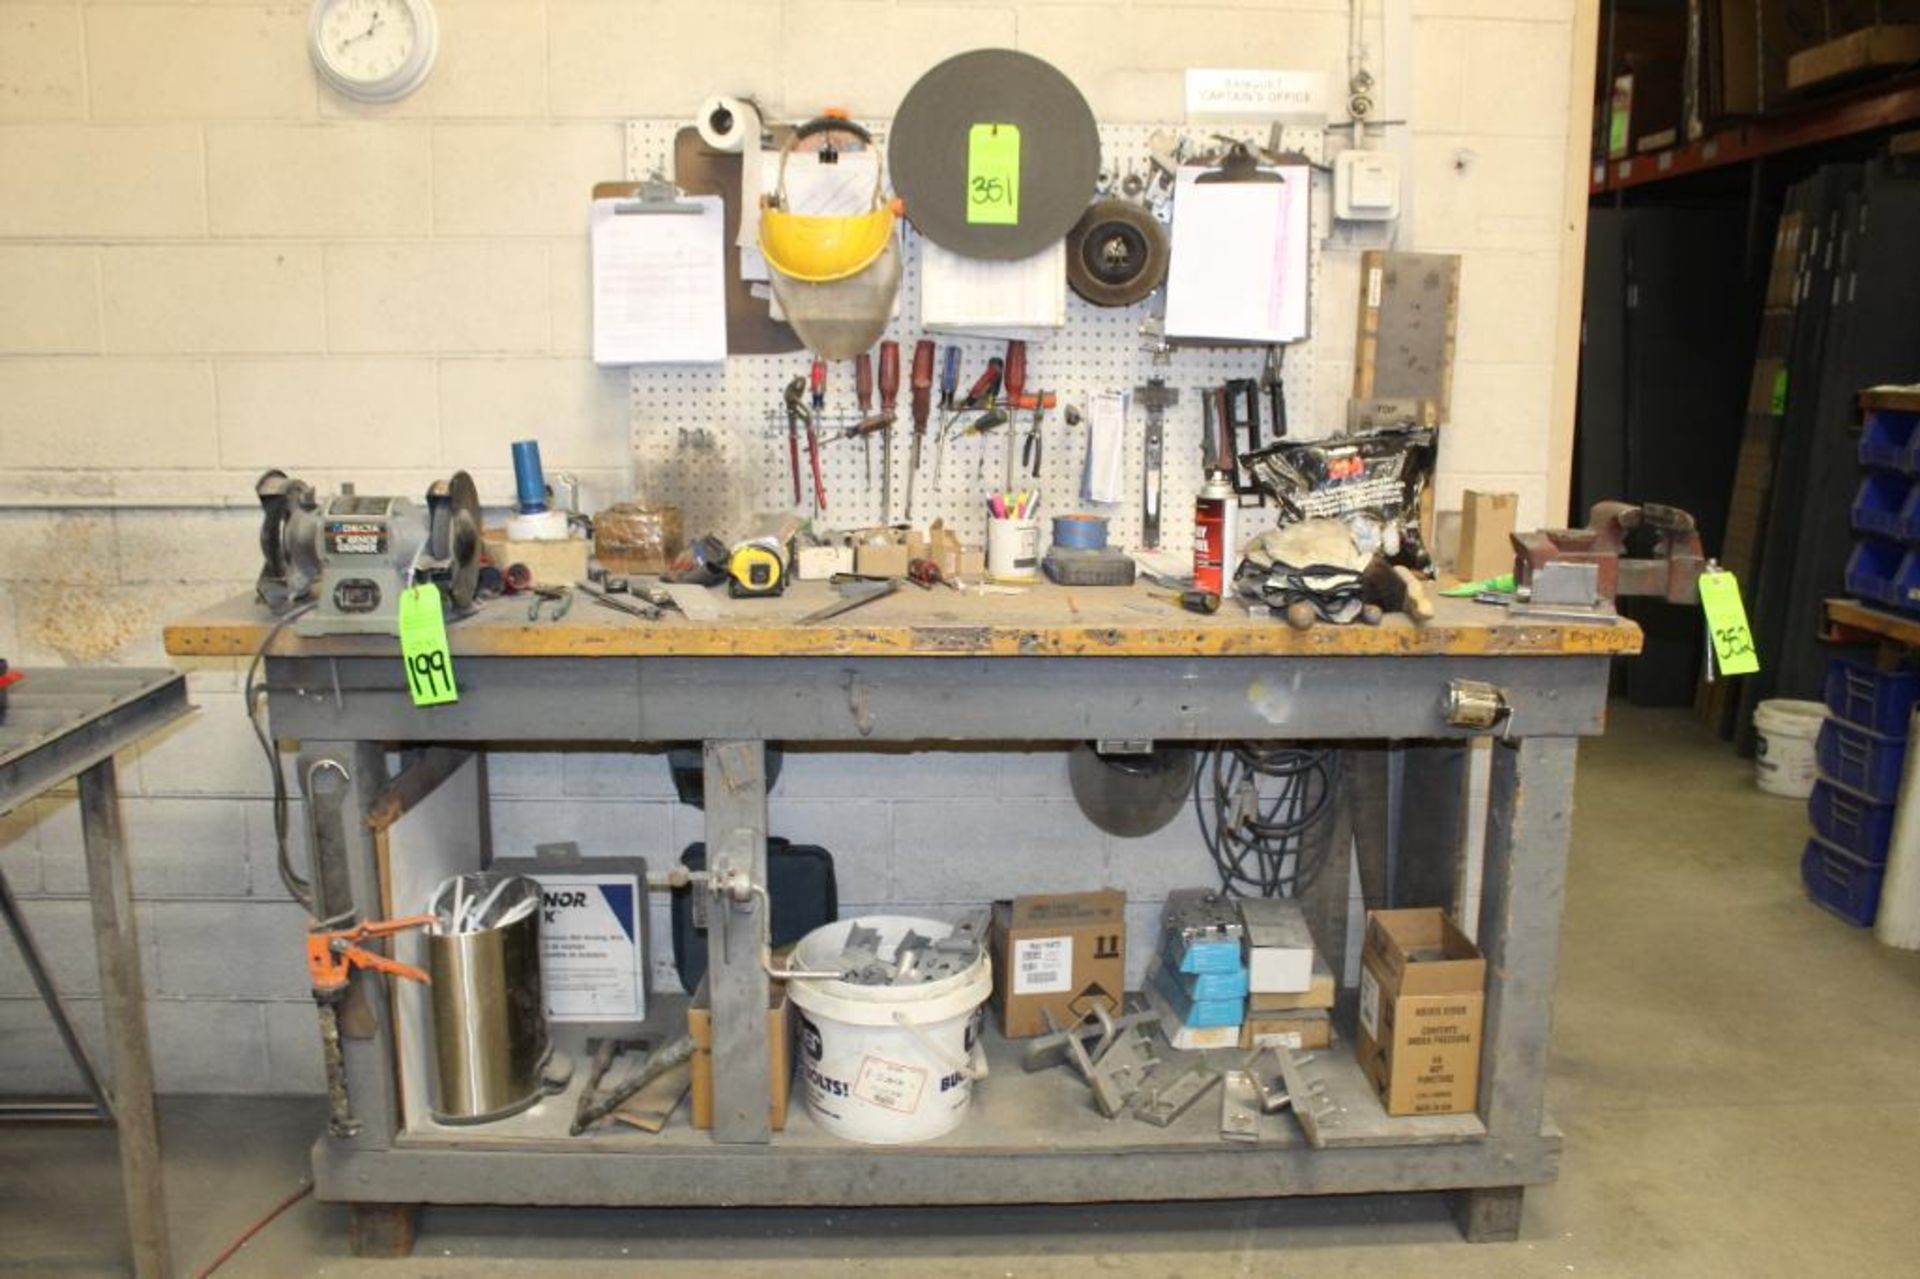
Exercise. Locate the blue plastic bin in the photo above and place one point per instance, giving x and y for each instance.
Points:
(1880, 502)
(1865, 763)
(1873, 570)
(1876, 700)
(1888, 440)
(1861, 826)
(1841, 883)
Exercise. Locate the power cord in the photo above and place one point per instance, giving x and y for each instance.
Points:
(1256, 804)
(255, 693)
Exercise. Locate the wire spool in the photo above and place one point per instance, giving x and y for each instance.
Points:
(1256, 804)
(1117, 253)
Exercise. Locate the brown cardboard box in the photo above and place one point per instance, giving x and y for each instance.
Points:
(558, 563)
(1486, 535)
(1422, 999)
(882, 552)
(1304, 1028)
(1318, 994)
(1058, 953)
(779, 1039)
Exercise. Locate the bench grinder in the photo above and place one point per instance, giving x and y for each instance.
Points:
(350, 556)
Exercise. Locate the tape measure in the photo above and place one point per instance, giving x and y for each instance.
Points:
(756, 568)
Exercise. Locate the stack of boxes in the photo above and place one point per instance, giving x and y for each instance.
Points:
(1290, 987)
(1861, 752)
(1198, 983)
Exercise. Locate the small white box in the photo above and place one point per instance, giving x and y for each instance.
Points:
(818, 563)
(1279, 946)
(1366, 186)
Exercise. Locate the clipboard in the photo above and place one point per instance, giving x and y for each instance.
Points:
(658, 275)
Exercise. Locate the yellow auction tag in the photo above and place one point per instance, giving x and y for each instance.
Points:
(1727, 624)
(993, 174)
(423, 647)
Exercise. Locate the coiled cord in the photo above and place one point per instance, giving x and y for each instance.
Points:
(1256, 804)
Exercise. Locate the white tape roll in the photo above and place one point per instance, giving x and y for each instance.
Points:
(728, 124)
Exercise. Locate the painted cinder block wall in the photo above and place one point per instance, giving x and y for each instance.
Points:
(209, 265)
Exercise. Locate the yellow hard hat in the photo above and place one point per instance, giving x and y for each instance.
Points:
(819, 249)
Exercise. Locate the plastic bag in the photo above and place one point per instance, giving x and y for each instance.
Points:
(1371, 482)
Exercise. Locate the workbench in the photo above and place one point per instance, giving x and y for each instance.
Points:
(61, 724)
(1050, 665)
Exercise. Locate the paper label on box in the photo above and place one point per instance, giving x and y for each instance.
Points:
(1374, 277)
(1279, 1039)
(1369, 1004)
(1043, 966)
(590, 959)
(890, 1085)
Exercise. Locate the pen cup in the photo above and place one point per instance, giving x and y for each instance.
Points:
(1013, 549)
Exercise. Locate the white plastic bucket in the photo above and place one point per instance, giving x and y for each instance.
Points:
(1784, 730)
(887, 1065)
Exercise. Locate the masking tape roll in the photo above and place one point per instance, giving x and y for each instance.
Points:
(728, 124)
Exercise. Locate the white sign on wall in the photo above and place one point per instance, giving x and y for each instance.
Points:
(1226, 96)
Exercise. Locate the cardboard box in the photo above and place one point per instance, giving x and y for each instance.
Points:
(1877, 48)
(1303, 1028)
(559, 563)
(779, 1042)
(818, 563)
(1058, 953)
(1279, 946)
(882, 552)
(1486, 535)
(1422, 1000)
(1318, 994)
(1184, 1038)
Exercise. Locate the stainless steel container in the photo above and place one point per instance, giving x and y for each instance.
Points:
(489, 1016)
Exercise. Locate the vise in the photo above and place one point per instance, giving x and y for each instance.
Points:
(1632, 550)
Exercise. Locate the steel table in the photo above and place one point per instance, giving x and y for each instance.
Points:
(60, 724)
(935, 668)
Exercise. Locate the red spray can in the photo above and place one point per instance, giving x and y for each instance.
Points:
(1216, 542)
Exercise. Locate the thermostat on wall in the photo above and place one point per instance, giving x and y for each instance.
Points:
(1366, 186)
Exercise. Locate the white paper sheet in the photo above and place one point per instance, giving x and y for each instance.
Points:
(993, 298)
(1240, 253)
(1106, 473)
(659, 284)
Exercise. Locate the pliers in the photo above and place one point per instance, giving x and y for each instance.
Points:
(562, 597)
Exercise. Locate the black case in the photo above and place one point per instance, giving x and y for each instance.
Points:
(800, 885)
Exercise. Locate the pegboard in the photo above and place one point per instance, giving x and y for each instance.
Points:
(714, 439)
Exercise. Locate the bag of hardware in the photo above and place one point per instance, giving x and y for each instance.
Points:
(1373, 483)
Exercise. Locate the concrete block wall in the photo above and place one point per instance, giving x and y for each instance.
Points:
(210, 265)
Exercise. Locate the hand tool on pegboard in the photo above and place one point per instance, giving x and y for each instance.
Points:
(795, 394)
(1030, 447)
(1014, 377)
(332, 955)
(922, 410)
(863, 395)
(889, 409)
(1156, 397)
(949, 406)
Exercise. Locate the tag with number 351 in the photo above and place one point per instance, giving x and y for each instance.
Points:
(423, 647)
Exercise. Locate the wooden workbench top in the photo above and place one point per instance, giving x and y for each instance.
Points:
(1045, 621)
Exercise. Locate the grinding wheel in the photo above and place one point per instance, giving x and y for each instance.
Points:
(1059, 151)
(453, 537)
(1131, 795)
(1117, 253)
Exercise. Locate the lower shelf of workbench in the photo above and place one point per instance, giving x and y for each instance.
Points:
(1029, 1137)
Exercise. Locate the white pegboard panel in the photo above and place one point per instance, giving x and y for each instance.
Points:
(714, 440)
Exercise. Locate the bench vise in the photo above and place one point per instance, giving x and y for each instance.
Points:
(1634, 550)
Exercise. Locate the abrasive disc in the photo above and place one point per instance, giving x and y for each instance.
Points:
(1059, 155)
(1116, 253)
(463, 539)
(1131, 795)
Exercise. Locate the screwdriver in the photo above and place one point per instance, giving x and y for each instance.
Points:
(925, 574)
(1195, 601)
(922, 408)
(818, 381)
(863, 392)
(1015, 382)
(889, 400)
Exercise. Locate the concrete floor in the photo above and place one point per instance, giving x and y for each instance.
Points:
(1734, 1071)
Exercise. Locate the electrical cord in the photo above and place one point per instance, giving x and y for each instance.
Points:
(1256, 805)
(261, 1223)
(255, 692)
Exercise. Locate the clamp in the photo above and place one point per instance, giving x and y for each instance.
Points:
(332, 955)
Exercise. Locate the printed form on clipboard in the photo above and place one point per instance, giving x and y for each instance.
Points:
(659, 280)
(1240, 253)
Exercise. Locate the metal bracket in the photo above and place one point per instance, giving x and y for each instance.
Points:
(1160, 1103)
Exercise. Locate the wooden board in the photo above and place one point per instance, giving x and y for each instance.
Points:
(1047, 621)
(1881, 47)
(1409, 307)
(1864, 619)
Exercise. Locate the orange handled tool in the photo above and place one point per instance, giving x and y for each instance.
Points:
(332, 954)
(922, 407)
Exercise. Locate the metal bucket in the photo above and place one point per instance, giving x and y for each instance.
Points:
(489, 1018)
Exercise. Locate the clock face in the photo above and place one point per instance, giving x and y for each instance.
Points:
(374, 50)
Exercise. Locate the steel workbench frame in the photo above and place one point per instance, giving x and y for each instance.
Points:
(350, 706)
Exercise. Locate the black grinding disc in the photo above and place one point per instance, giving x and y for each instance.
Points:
(1116, 254)
(1059, 151)
(1131, 795)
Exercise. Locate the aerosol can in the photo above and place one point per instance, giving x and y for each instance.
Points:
(1216, 535)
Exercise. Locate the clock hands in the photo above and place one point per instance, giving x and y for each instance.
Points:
(371, 28)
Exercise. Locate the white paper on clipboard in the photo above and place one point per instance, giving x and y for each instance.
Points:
(659, 284)
(1239, 257)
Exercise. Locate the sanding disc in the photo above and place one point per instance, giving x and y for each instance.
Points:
(463, 539)
(1131, 795)
(928, 149)
(1116, 253)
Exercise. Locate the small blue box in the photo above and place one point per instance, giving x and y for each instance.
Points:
(1209, 955)
(1201, 1014)
(1211, 986)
